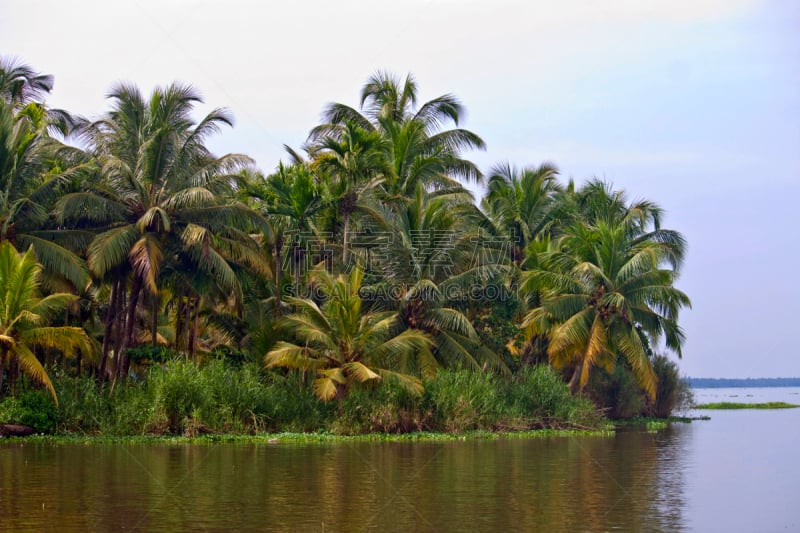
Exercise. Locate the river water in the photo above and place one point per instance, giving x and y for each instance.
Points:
(739, 471)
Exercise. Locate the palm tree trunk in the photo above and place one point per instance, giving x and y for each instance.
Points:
(186, 326)
(278, 288)
(110, 317)
(130, 321)
(119, 324)
(575, 381)
(195, 326)
(129, 338)
(13, 374)
(296, 259)
(3, 354)
(179, 325)
(345, 240)
(154, 323)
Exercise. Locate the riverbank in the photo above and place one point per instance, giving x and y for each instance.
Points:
(186, 400)
(310, 438)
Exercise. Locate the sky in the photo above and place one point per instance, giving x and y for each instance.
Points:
(693, 104)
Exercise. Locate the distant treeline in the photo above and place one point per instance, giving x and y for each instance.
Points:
(718, 383)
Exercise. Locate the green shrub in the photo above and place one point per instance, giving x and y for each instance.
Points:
(180, 396)
(290, 405)
(621, 397)
(462, 400)
(83, 405)
(385, 407)
(617, 393)
(34, 408)
(538, 397)
(149, 354)
(230, 355)
(672, 392)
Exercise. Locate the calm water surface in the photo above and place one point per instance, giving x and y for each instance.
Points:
(739, 471)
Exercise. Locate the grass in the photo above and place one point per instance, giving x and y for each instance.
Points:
(738, 405)
(181, 399)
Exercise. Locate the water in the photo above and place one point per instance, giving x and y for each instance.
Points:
(737, 472)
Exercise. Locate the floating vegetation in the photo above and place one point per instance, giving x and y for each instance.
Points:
(738, 405)
(311, 438)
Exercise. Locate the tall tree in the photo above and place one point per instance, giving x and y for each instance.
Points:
(430, 263)
(417, 148)
(35, 168)
(353, 159)
(291, 199)
(607, 288)
(163, 199)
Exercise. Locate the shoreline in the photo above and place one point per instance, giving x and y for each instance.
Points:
(309, 438)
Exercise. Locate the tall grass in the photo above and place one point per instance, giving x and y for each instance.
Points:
(182, 398)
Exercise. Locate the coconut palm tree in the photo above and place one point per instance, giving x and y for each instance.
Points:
(416, 148)
(607, 288)
(352, 158)
(344, 343)
(35, 168)
(162, 199)
(24, 316)
(20, 84)
(291, 199)
(430, 264)
(520, 203)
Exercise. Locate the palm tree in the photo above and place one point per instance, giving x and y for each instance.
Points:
(520, 203)
(607, 288)
(163, 199)
(432, 237)
(20, 84)
(34, 169)
(420, 155)
(345, 343)
(291, 199)
(431, 264)
(416, 148)
(24, 315)
(352, 157)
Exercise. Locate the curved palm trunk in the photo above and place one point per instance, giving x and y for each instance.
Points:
(575, 381)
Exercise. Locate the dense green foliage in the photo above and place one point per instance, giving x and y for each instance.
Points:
(181, 398)
(357, 288)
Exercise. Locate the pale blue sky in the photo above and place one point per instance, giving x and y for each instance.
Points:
(693, 104)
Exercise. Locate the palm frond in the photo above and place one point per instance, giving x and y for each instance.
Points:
(31, 366)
